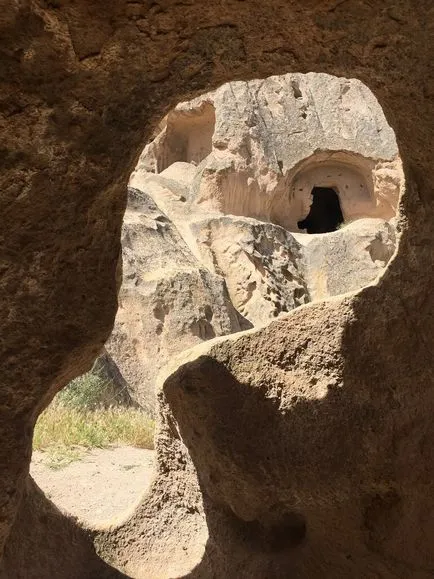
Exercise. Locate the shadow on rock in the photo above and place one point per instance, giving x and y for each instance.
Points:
(303, 446)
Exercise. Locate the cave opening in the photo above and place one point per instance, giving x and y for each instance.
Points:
(174, 223)
(325, 213)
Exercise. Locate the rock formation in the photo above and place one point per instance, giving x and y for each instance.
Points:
(347, 469)
(212, 242)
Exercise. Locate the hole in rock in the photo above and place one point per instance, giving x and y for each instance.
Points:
(93, 447)
(214, 238)
(213, 244)
(185, 136)
(325, 214)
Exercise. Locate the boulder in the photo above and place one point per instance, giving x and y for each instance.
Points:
(260, 262)
(348, 259)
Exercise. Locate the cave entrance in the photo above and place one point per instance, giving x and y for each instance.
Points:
(325, 213)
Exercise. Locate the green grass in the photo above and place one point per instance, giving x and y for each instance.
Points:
(77, 420)
(85, 392)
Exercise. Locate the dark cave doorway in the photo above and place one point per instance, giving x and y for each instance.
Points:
(325, 213)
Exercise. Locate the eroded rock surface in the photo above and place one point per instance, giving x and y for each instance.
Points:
(168, 300)
(264, 138)
(80, 85)
(216, 207)
(260, 262)
(347, 259)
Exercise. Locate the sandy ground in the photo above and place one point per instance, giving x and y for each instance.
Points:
(103, 485)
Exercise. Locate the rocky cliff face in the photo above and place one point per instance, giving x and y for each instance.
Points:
(259, 138)
(211, 237)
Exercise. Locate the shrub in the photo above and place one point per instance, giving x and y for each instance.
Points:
(86, 391)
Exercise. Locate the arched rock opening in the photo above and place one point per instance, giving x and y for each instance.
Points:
(212, 273)
(191, 273)
(185, 136)
(325, 213)
(363, 189)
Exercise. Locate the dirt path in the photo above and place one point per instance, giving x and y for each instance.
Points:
(101, 486)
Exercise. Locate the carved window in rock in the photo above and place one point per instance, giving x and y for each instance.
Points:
(325, 214)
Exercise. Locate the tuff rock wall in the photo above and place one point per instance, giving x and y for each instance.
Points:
(324, 460)
(204, 250)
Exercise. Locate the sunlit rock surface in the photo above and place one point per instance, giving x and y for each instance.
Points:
(212, 240)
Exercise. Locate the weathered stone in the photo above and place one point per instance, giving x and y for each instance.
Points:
(260, 263)
(80, 85)
(255, 149)
(348, 259)
(260, 146)
(167, 302)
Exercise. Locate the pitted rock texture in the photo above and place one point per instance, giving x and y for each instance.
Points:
(168, 301)
(260, 262)
(254, 141)
(256, 149)
(82, 85)
(347, 259)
